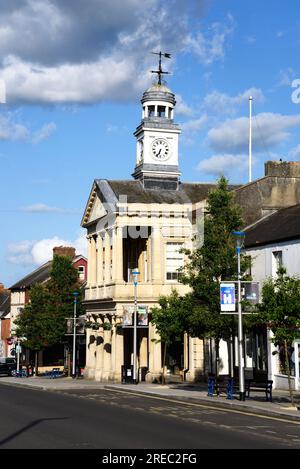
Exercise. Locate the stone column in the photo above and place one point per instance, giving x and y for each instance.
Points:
(113, 349)
(90, 353)
(155, 368)
(117, 252)
(196, 360)
(89, 261)
(107, 259)
(93, 260)
(156, 255)
(119, 353)
(106, 354)
(100, 260)
(143, 354)
(99, 357)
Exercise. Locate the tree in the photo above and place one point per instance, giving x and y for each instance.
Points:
(43, 321)
(279, 310)
(214, 261)
(169, 320)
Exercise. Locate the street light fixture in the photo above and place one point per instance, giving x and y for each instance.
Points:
(135, 274)
(75, 295)
(240, 236)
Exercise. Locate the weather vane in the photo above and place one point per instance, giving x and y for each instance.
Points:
(160, 71)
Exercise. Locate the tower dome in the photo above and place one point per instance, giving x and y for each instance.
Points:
(159, 92)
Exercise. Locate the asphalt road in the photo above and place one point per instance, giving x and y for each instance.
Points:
(110, 419)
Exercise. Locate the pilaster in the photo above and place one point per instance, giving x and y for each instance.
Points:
(156, 255)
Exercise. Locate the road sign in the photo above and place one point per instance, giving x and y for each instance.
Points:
(227, 296)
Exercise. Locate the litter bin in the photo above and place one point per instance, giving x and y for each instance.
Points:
(142, 373)
(127, 373)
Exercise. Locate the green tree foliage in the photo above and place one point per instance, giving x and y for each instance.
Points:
(198, 313)
(43, 321)
(279, 310)
(214, 261)
(170, 317)
(170, 320)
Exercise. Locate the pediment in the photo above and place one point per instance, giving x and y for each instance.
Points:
(95, 209)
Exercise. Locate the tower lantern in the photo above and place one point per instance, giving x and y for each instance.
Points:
(157, 137)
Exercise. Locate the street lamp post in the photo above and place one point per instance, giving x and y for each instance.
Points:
(240, 235)
(18, 356)
(75, 295)
(135, 280)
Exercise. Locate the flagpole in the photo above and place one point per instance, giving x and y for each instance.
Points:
(250, 138)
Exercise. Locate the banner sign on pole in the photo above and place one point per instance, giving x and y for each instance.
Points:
(227, 296)
(142, 316)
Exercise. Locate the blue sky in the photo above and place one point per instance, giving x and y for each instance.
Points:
(74, 73)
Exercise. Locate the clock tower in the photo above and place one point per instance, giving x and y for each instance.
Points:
(157, 140)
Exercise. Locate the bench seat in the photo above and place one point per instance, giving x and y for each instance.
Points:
(260, 386)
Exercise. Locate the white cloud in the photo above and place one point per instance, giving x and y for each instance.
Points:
(194, 125)
(12, 129)
(210, 46)
(43, 208)
(108, 78)
(39, 252)
(269, 129)
(182, 108)
(112, 129)
(286, 77)
(44, 132)
(2, 92)
(251, 39)
(294, 153)
(225, 164)
(97, 50)
(222, 103)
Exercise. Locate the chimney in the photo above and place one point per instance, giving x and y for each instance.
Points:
(64, 251)
(3, 289)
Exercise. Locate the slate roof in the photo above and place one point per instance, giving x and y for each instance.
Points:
(4, 303)
(283, 225)
(40, 275)
(187, 192)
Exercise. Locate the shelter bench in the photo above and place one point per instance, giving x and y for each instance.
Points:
(260, 386)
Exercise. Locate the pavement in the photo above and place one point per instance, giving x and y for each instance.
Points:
(177, 392)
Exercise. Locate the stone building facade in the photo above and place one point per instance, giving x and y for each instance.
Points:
(141, 224)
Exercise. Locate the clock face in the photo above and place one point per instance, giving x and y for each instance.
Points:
(160, 149)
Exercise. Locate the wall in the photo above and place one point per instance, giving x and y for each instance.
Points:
(262, 259)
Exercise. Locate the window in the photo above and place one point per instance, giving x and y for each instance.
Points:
(161, 111)
(151, 110)
(174, 260)
(276, 262)
(81, 272)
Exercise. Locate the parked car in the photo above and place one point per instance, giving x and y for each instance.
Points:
(7, 366)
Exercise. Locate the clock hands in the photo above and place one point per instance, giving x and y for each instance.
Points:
(158, 152)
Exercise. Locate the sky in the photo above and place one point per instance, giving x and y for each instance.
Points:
(72, 74)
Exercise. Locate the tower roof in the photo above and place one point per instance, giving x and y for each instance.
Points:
(159, 92)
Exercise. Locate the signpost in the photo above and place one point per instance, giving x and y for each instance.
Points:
(227, 294)
(18, 351)
(249, 292)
